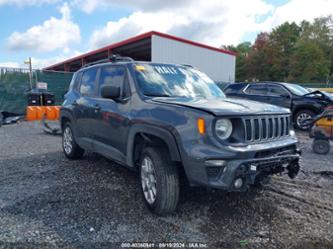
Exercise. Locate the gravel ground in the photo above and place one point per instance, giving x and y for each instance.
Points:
(48, 201)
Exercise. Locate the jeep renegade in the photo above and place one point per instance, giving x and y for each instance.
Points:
(164, 119)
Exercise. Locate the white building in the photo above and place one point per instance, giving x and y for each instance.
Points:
(154, 46)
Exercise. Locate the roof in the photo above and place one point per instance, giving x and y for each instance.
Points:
(139, 45)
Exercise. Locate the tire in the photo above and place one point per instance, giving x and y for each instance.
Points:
(70, 148)
(159, 179)
(300, 117)
(321, 146)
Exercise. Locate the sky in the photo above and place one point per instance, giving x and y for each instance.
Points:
(50, 31)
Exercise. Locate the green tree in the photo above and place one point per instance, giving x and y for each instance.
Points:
(291, 52)
(320, 32)
(282, 42)
(243, 49)
(308, 63)
(257, 63)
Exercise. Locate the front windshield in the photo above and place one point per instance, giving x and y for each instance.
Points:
(175, 81)
(297, 89)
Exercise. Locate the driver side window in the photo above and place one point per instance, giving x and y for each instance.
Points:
(276, 91)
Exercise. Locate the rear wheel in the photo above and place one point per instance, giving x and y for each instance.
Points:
(71, 149)
(300, 117)
(159, 180)
(321, 146)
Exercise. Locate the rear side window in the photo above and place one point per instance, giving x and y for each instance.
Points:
(257, 89)
(75, 81)
(87, 87)
(113, 75)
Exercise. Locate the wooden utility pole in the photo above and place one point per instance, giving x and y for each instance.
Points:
(30, 71)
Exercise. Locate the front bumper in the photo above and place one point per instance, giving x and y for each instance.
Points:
(243, 168)
(249, 172)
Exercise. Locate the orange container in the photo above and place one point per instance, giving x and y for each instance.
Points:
(36, 113)
(57, 112)
(31, 114)
(52, 112)
(41, 111)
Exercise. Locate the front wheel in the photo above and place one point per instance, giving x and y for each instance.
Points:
(300, 118)
(159, 181)
(321, 146)
(71, 149)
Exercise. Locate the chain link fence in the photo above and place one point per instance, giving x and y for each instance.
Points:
(14, 85)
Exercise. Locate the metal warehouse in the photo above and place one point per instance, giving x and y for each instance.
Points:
(154, 46)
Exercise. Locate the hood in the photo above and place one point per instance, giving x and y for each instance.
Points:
(320, 94)
(224, 106)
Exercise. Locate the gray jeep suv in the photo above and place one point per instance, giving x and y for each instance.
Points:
(164, 119)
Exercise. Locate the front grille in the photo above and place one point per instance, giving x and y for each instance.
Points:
(263, 128)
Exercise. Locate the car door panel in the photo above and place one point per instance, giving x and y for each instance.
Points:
(279, 96)
(111, 127)
(83, 106)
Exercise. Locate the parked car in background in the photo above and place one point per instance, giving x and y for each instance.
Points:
(303, 102)
(222, 85)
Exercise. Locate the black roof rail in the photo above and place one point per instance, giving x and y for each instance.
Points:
(187, 65)
(118, 58)
(95, 62)
(113, 58)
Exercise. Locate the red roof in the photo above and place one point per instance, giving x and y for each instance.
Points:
(137, 38)
(190, 42)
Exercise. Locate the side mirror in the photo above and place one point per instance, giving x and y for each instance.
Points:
(110, 92)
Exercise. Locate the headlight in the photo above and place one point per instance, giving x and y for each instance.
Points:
(223, 128)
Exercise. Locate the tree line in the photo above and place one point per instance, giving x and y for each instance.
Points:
(290, 53)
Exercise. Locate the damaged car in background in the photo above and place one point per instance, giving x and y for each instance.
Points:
(304, 103)
(166, 119)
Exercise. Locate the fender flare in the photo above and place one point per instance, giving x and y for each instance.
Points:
(64, 113)
(161, 133)
(67, 113)
(298, 108)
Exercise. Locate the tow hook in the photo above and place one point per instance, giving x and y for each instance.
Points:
(293, 169)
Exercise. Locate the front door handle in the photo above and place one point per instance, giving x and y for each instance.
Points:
(97, 107)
